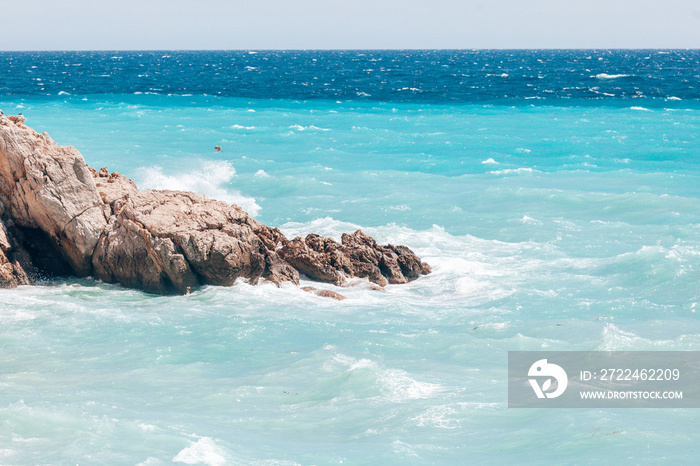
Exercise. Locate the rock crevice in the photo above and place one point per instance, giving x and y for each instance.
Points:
(67, 218)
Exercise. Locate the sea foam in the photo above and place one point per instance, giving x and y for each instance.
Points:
(611, 76)
(210, 178)
(203, 451)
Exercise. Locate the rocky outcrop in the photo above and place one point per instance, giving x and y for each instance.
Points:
(358, 255)
(173, 241)
(47, 187)
(69, 219)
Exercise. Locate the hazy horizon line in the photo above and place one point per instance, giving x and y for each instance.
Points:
(473, 49)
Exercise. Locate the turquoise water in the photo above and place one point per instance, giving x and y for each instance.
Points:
(570, 227)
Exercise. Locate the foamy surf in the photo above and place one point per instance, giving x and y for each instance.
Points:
(598, 248)
(210, 178)
(203, 451)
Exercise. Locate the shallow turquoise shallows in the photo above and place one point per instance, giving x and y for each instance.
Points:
(555, 227)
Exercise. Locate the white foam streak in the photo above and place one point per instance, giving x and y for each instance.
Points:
(513, 171)
(311, 127)
(610, 76)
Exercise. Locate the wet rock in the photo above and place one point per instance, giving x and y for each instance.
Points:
(323, 293)
(12, 258)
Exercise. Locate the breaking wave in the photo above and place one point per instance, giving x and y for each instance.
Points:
(211, 178)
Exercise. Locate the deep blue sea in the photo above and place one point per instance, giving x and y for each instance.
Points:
(556, 194)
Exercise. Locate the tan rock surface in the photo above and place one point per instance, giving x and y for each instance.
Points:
(172, 241)
(112, 187)
(49, 187)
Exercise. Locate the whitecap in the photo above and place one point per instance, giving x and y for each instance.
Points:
(203, 451)
(673, 98)
(210, 179)
(478, 291)
(399, 387)
(262, 174)
(63, 93)
(611, 76)
(395, 384)
(489, 161)
(640, 108)
(242, 127)
(530, 220)
(311, 127)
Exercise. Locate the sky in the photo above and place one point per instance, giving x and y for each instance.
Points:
(347, 24)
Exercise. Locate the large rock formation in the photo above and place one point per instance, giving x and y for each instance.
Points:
(173, 241)
(49, 188)
(62, 217)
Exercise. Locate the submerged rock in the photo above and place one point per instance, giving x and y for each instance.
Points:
(324, 293)
(69, 219)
